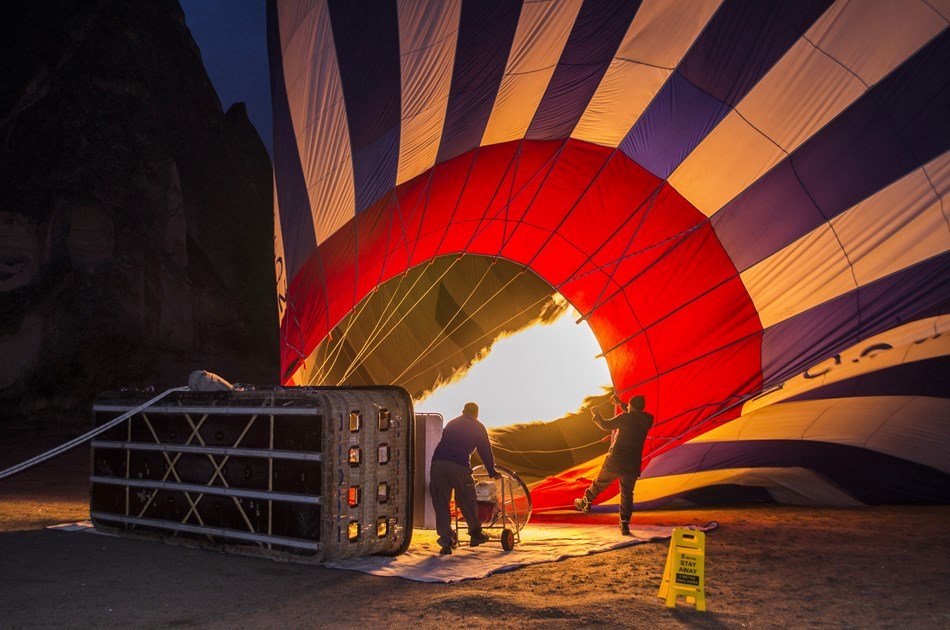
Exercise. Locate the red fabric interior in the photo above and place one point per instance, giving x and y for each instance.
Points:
(661, 295)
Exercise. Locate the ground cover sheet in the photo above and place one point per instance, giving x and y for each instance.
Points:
(543, 542)
(540, 542)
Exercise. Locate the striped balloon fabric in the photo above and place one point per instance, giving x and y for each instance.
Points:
(731, 193)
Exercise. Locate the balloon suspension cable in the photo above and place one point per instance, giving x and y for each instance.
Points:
(650, 203)
(337, 349)
(435, 364)
(391, 312)
(429, 347)
(444, 333)
(381, 322)
(359, 356)
(358, 360)
(551, 452)
(371, 344)
(337, 344)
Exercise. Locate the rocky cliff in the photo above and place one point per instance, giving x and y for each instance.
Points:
(136, 226)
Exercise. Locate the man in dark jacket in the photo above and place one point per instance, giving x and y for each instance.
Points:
(630, 429)
(451, 470)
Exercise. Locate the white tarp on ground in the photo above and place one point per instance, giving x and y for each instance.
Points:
(539, 543)
(546, 542)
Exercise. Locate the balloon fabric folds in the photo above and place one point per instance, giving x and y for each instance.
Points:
(740, 197)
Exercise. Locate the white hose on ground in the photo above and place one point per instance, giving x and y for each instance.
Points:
(62, 448)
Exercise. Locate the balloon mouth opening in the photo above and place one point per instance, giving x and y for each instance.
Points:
(435, 329)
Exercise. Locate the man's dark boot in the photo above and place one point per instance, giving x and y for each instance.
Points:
(478, 539)
(445, 550)
(625, 529)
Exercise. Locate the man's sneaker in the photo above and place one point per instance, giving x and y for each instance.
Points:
(582, 505)
(625, 529)
(445, 550)
(479, 538)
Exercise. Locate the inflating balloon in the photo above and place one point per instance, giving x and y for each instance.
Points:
(732, 194)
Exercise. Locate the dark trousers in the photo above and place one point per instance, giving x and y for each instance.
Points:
(606, 477)
(444, 477)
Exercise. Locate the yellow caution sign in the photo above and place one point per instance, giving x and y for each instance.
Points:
(685, 572)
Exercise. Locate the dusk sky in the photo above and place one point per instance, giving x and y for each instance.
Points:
(232, 35)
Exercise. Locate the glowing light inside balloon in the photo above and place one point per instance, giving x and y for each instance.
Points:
(540, 373)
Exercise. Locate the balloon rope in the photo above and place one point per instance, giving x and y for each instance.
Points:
(428, 184)
(560, 450)
(446, 335)
(381, 322)
(402, 224)
(650, 203)
(577, 275)
(443, 331)
(639, 274)
(676, 310)
(357, 361)
(513, 162)
(553, 161)
(435, 364)
(458, 200)
(337, 349)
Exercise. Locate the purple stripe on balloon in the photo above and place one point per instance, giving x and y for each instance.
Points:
(930, 377)
(594, 39)
(852, 158)
(738, 46)
(764, 217)
(374, 168)
(869, 476)
(790, 347)
(486, 32)
(300, 241)
(367, 49)
(897, 126)
(742, 42)
(916, 98)
(674, 123)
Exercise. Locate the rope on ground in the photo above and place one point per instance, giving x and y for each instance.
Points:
(62, 448)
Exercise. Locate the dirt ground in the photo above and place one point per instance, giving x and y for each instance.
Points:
(882, 567)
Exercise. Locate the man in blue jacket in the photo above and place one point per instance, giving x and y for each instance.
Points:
(451, 470)
(629, 431)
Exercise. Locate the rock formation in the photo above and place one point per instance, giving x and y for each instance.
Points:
(136, 217)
